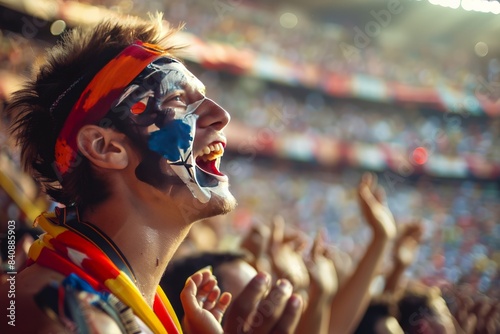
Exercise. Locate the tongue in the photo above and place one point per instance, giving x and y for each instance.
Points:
(208, 167)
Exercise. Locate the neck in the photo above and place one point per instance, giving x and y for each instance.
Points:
(146, 239)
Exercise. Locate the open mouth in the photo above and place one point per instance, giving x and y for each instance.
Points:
(208, 163)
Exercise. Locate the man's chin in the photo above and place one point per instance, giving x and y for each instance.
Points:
(221, 202)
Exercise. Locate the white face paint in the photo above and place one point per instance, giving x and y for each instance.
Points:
(164, 98)
(185, 166)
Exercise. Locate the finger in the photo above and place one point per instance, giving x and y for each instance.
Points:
(366, 196)
(367, 178)
(331, 255)
(207, 297)
(243, 305)
(418, 230)
(470, 323)
(202, 276)
(299, 247)
(212, 298)
(188, 297)
(257, 239)
(380, 195)
(271, 309)
(208, 283)
(278, 230)
(317, 246)
(221, 306)
(297, 239)
(290, 317)
(205, 282)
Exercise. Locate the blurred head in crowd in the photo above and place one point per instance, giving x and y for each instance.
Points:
(380, 318)
(423, 310)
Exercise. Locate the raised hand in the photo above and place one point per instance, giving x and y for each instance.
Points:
(342, 262)
(285, 253)
(203, 303)
(260, 309)
(322, 273)
(350, 303)
(324, 284)
(407, 243)
(257, 243)
(376, 213)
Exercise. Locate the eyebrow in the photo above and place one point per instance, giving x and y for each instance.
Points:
(199, 87)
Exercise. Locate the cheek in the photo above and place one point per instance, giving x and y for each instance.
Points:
(171, 139)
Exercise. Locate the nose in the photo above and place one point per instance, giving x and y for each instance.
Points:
(212, 115)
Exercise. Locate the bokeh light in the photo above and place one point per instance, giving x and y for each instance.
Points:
(57, 27)
(288, 20)
(481, 49)
(420, 155)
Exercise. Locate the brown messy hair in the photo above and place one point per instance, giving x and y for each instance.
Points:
(41, 107)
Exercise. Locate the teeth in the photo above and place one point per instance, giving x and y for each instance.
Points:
(212, 152)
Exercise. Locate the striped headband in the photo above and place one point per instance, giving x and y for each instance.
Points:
(99, 95)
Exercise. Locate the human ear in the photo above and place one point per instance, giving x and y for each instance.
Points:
(104, 148)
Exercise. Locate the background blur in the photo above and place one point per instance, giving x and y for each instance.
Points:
(320, 91)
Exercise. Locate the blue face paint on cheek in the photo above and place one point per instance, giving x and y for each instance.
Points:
(170, 139)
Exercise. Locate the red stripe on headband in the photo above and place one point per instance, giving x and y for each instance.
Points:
(100, 94)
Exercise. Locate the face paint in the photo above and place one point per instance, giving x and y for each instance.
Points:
(167, 95)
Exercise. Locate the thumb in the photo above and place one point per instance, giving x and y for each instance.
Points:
(188, 297)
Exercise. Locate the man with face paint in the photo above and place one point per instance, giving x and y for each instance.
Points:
(114, 127)
(163, 100)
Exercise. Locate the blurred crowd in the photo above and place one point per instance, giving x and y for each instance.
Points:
(330, 46)
(259, 105)
(462, 234)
